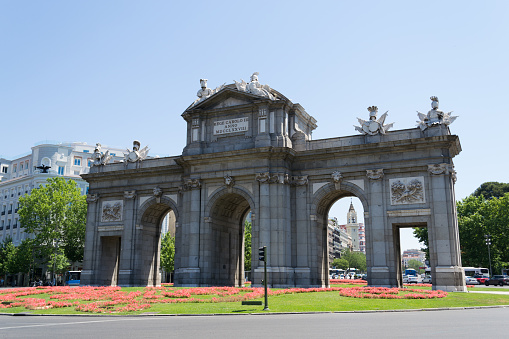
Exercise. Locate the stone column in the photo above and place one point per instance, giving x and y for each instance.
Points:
(128, 274)
(446, 270)
(188, 274)
(262, 233)
(378, 265)
(301, 223)
(89, 272)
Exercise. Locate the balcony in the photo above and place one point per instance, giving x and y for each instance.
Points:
(8, 227)
(9, 212)
(3, 212)
(15, 226)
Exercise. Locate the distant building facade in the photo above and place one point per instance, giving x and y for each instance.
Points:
(338, 239)
(355, 230)
(20, 175)
(412, 254)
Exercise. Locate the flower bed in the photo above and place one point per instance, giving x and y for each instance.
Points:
(390, 293)
(113, 300)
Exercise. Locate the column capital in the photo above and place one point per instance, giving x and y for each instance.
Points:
(375, 174)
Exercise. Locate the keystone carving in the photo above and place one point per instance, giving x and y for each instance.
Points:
(190, 184)
(336, 177)
(157, 191)
(229, 181)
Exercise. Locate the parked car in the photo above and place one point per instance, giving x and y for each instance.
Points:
(481, 278)
(426, 279)
(412, 279)
(497, 280)
(471, 281)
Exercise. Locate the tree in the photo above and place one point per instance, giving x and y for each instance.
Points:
(415, 264)
(479, 216)
(56, 216)
(340, 263)
(492, 189)
(355, 259)
(168, 252)
(247, 246)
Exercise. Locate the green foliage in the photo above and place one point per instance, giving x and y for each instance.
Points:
(355, 259)
(421, 233)
(168, 252)
(492, 189)
(416, 265)
(56, 215)
(247, 246)
(340, 263)
(9, 256)
(477, 217)
(58, 261)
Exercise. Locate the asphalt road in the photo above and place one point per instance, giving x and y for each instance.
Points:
(459, 323)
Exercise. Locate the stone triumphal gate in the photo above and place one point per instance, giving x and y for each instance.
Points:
(249, 149)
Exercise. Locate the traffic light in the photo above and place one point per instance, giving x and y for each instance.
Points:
(262, 253)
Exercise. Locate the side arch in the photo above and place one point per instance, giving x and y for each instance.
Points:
(328, 194)
(221, 192)
(148, 240)
(152, 202)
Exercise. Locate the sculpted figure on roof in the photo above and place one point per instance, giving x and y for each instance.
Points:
(434, 116)
(254, 87)
(205, 92)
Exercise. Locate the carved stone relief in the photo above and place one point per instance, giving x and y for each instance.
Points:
(112, 210)
(407, 191)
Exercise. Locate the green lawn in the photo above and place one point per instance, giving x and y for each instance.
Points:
(298, 302)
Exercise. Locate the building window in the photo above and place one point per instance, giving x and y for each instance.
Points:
(4, 169)
(61, 170)
(77, 161)
(86, 151)
(113, 154)
(14, 168)
(89, 162)
(21, 167)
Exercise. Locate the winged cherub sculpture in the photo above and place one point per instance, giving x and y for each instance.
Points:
(373, 126)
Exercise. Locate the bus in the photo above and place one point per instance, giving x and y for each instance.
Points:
(72, 278)
(411, 271)
(471, 271)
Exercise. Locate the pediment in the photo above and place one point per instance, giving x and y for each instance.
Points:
(226, 97)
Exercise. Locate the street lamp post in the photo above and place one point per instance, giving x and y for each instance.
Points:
(488, 242)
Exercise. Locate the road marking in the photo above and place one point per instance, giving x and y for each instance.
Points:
(70, 323)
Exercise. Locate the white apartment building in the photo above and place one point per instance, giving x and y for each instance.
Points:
(19, 176)
(337, 238)
(412, 254)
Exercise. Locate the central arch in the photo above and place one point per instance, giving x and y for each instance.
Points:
(223, 247)
(324, 198)
(148, 242)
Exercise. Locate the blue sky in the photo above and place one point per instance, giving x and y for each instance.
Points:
(115, 71)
